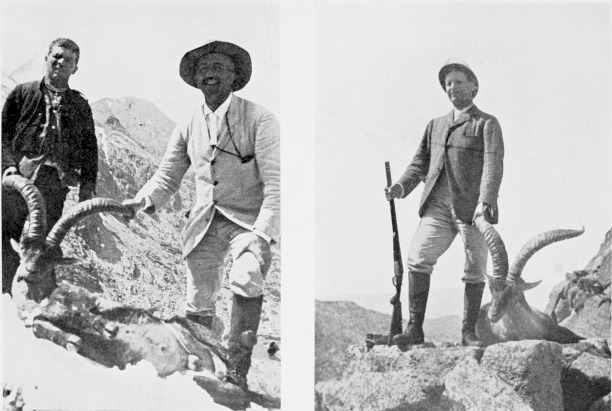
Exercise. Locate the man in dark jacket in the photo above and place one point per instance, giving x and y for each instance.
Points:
(460, 160)
(48, 136)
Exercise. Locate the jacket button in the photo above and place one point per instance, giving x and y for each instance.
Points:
(215, 183)
(212, 162)
(214, 202)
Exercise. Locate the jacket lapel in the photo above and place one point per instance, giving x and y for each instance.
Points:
(233, 117)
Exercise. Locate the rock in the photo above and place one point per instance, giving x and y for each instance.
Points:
(386, 379)
(593, 320)
(586, 294)
(532, 368)
(476, 388)
(585, 377)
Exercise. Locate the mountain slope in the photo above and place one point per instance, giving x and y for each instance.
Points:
(339, 324)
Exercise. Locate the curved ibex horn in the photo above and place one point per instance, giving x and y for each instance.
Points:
(534, 245)
(37, 210)
(499, 256)
(82, 210)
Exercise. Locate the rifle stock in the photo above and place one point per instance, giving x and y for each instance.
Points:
(398, 270)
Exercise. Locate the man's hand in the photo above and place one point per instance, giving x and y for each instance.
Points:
(259, 247)
(134, 204)
(10, 171)
(486, 211)
(395, 191)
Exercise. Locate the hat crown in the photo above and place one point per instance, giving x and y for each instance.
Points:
(455, 61)
(240, 57)
(458, 64)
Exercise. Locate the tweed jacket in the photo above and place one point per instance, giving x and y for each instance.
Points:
(245, 192)
(23, 117)
(470, 150)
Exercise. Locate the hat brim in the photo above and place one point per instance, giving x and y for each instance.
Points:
(240, 57)
(454, 66)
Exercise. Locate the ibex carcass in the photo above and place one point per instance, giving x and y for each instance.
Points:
(509, 317)
(107, 332)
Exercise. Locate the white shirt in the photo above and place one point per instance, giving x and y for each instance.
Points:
(220, 113)
(457, 112)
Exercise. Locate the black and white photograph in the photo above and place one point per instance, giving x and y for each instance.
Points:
(141, 205)
(436, 173)
(450, 294)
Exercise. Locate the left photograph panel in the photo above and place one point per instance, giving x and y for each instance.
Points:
(141, 205)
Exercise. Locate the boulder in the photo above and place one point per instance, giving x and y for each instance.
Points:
(532, 368)
(585, 376)
(477, 388)
(386, 379)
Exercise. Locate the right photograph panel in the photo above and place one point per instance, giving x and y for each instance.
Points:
(463, 225)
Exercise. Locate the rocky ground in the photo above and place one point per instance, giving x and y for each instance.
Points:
(521, 375)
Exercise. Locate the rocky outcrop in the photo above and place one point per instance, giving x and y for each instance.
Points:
(581, 302)
(522, 375)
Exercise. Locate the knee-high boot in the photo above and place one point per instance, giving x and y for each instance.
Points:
(244, 323)
(418, 291)
(471, 307)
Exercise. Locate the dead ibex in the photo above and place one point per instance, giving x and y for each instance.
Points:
(509, 317)
(107, 332)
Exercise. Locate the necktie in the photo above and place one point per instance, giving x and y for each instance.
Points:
(211, 120)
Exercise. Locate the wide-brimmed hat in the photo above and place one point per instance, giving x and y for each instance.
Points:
(241, 58)
(456, 64)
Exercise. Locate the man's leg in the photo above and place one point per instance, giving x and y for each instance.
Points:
(14, 216)
(247, 283)
(476, 252)
(50, 186)
(204, 267)
(432, 238)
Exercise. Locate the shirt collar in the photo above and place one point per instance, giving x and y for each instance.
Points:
(221, 110)
(457, 112)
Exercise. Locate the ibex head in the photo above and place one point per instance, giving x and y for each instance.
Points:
(39, 255)
(507, 286)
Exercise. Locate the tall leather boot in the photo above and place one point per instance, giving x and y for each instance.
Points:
(244, 323)
(471, 307)
(418, 291)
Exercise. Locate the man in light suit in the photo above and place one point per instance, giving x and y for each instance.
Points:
(233, 146)
(460, 160)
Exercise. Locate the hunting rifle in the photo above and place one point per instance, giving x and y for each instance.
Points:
(396, 316)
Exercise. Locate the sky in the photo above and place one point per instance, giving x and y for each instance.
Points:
(543, 71)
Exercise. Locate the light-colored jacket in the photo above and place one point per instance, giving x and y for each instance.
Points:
(247, 193)
(470, 150)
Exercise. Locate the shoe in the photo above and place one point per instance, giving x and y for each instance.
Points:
(244, 323)
(418, 291)
(238, 380)
(471, 307)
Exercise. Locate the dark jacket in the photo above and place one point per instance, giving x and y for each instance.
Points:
(470, 150)
(23, 118)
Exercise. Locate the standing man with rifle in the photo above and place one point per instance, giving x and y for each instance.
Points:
(460, 160)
